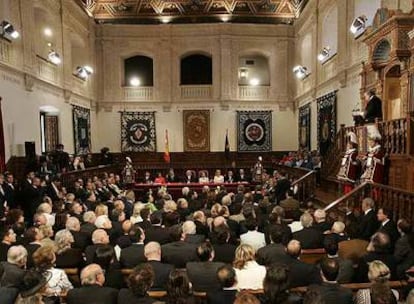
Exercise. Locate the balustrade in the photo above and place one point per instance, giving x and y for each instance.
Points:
(46, 70)
(254, 92)
(196, 92)
(4, 51)
(138, 93)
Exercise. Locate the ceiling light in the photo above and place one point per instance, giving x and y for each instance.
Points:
(166, 19)
(358, 26)
(54, 57)
(225, 18)
(301, 72)
(83, 72)
(324, 54)
(48, 32)
(135, 82)
(7, 31)
(254, 82)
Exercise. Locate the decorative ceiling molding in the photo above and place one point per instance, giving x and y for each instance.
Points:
(193, 11)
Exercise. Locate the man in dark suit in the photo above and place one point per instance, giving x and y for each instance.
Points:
(10, 190)
(12, 271)
(82, 240)
(223, 248)
(320, 221)
(368, 224)
(330, 290)
(346, 269)
(88, 226)
(157, 233)
(53, 189)
(179, 252)
(92, 290)
(33, 237)
(152, 252)
(99, 238)
(7, 240)
(300, 273)
(387, 225)
(242, 176)
(133, 255)
(274, 252)
(282, 186)
(227, 279)
(309, 237)
(203, 274)
(290, 203)
(373, 108)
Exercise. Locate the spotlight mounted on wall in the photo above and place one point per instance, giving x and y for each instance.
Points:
(54, 57)
(83, 72)
(7, 31)
(324, 54)
(358, 26)
(254, 82)
(301, 72)
(135, 82)
(243, 73)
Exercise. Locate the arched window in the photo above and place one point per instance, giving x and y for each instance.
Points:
(196, 69)
(254, 71)
(138, 71)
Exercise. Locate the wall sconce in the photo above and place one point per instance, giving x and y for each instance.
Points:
(83, 72)
(358, 26)
(243, 73)
(324, 54)
(301, 72)
(7, 31)
(54, 57)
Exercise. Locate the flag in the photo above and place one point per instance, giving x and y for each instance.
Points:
(227, 146)
(167, 158)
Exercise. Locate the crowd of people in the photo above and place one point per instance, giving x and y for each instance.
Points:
(215, 242)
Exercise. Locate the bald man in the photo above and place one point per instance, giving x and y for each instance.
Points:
(152, 252)
(300, 273)
(92, 290)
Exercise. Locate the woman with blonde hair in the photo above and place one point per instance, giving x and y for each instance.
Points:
(66, 256)
(136, 213)
(249, 274)
(379, 292)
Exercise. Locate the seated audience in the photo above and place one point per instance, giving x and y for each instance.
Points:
(346, 270)
(368, 223)
(139, 283)
(12, 271)
(33, 288)
(246, 298)
(33, 237)
(218, 178)
(81, 240)
(66, 256)
(202, 274)
(252, 237)
(99, 238)
(320, 221)
(92, 290)
(133, 255)
(331, 291)
(8, 238)
(223, 248)
(106, 259)
(249, 274)
(275, 252)
(152, 252)
(309, 237)
(388, 226)
(379, 292)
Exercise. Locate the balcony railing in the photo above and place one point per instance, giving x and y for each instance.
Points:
(196, 92)
(4, 51)
(46, 70)
(253, 92)
(138, 93)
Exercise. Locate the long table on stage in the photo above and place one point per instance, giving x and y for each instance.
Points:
(175, 189)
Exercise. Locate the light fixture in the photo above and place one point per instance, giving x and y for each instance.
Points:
(166, 19)
(254, 82)
(48, 32)
(301, 72)
(358, 26)
(7, 31)
(135, 82)
(324, 54)
(83, 72)
(54, 57)
(243, 73)
(225, 18)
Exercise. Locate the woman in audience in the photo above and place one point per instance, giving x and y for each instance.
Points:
(249, 274)
(67, 257)
(105, 257)
(136, 214)
(33, 288)
(139, 282)
(379, 292)
(44, 258)
(47, 232)
(179, 288)
(275, 287)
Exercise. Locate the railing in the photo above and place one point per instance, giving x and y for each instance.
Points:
(303, 181)
(254, 92)
(196, 91)
(4, 51)
(68, 178)
(401, 202)
(46, 70)
(138, 93)
(331, 160)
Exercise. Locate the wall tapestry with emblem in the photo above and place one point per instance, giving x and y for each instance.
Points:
(196, 125)
(254, 131)
(326, 121)
(82, 129)
(138, 132)
(304, 127)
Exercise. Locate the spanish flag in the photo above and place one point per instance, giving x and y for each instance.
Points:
(167, 158)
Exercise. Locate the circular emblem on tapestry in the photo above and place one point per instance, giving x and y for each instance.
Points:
(254, 132)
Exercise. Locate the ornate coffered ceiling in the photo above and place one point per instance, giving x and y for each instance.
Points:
(193, 11)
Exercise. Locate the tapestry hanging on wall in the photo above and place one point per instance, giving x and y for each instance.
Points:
(326, 121)
(138, 132)
(196, 125)
(304, 127)
(254, 131)
(82, 129)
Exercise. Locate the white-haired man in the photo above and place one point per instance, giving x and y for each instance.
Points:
(92, 290)
(82, 240)
(309, 237)
(320, 221)
(152, 252)
(99, 238)
(12, 271)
